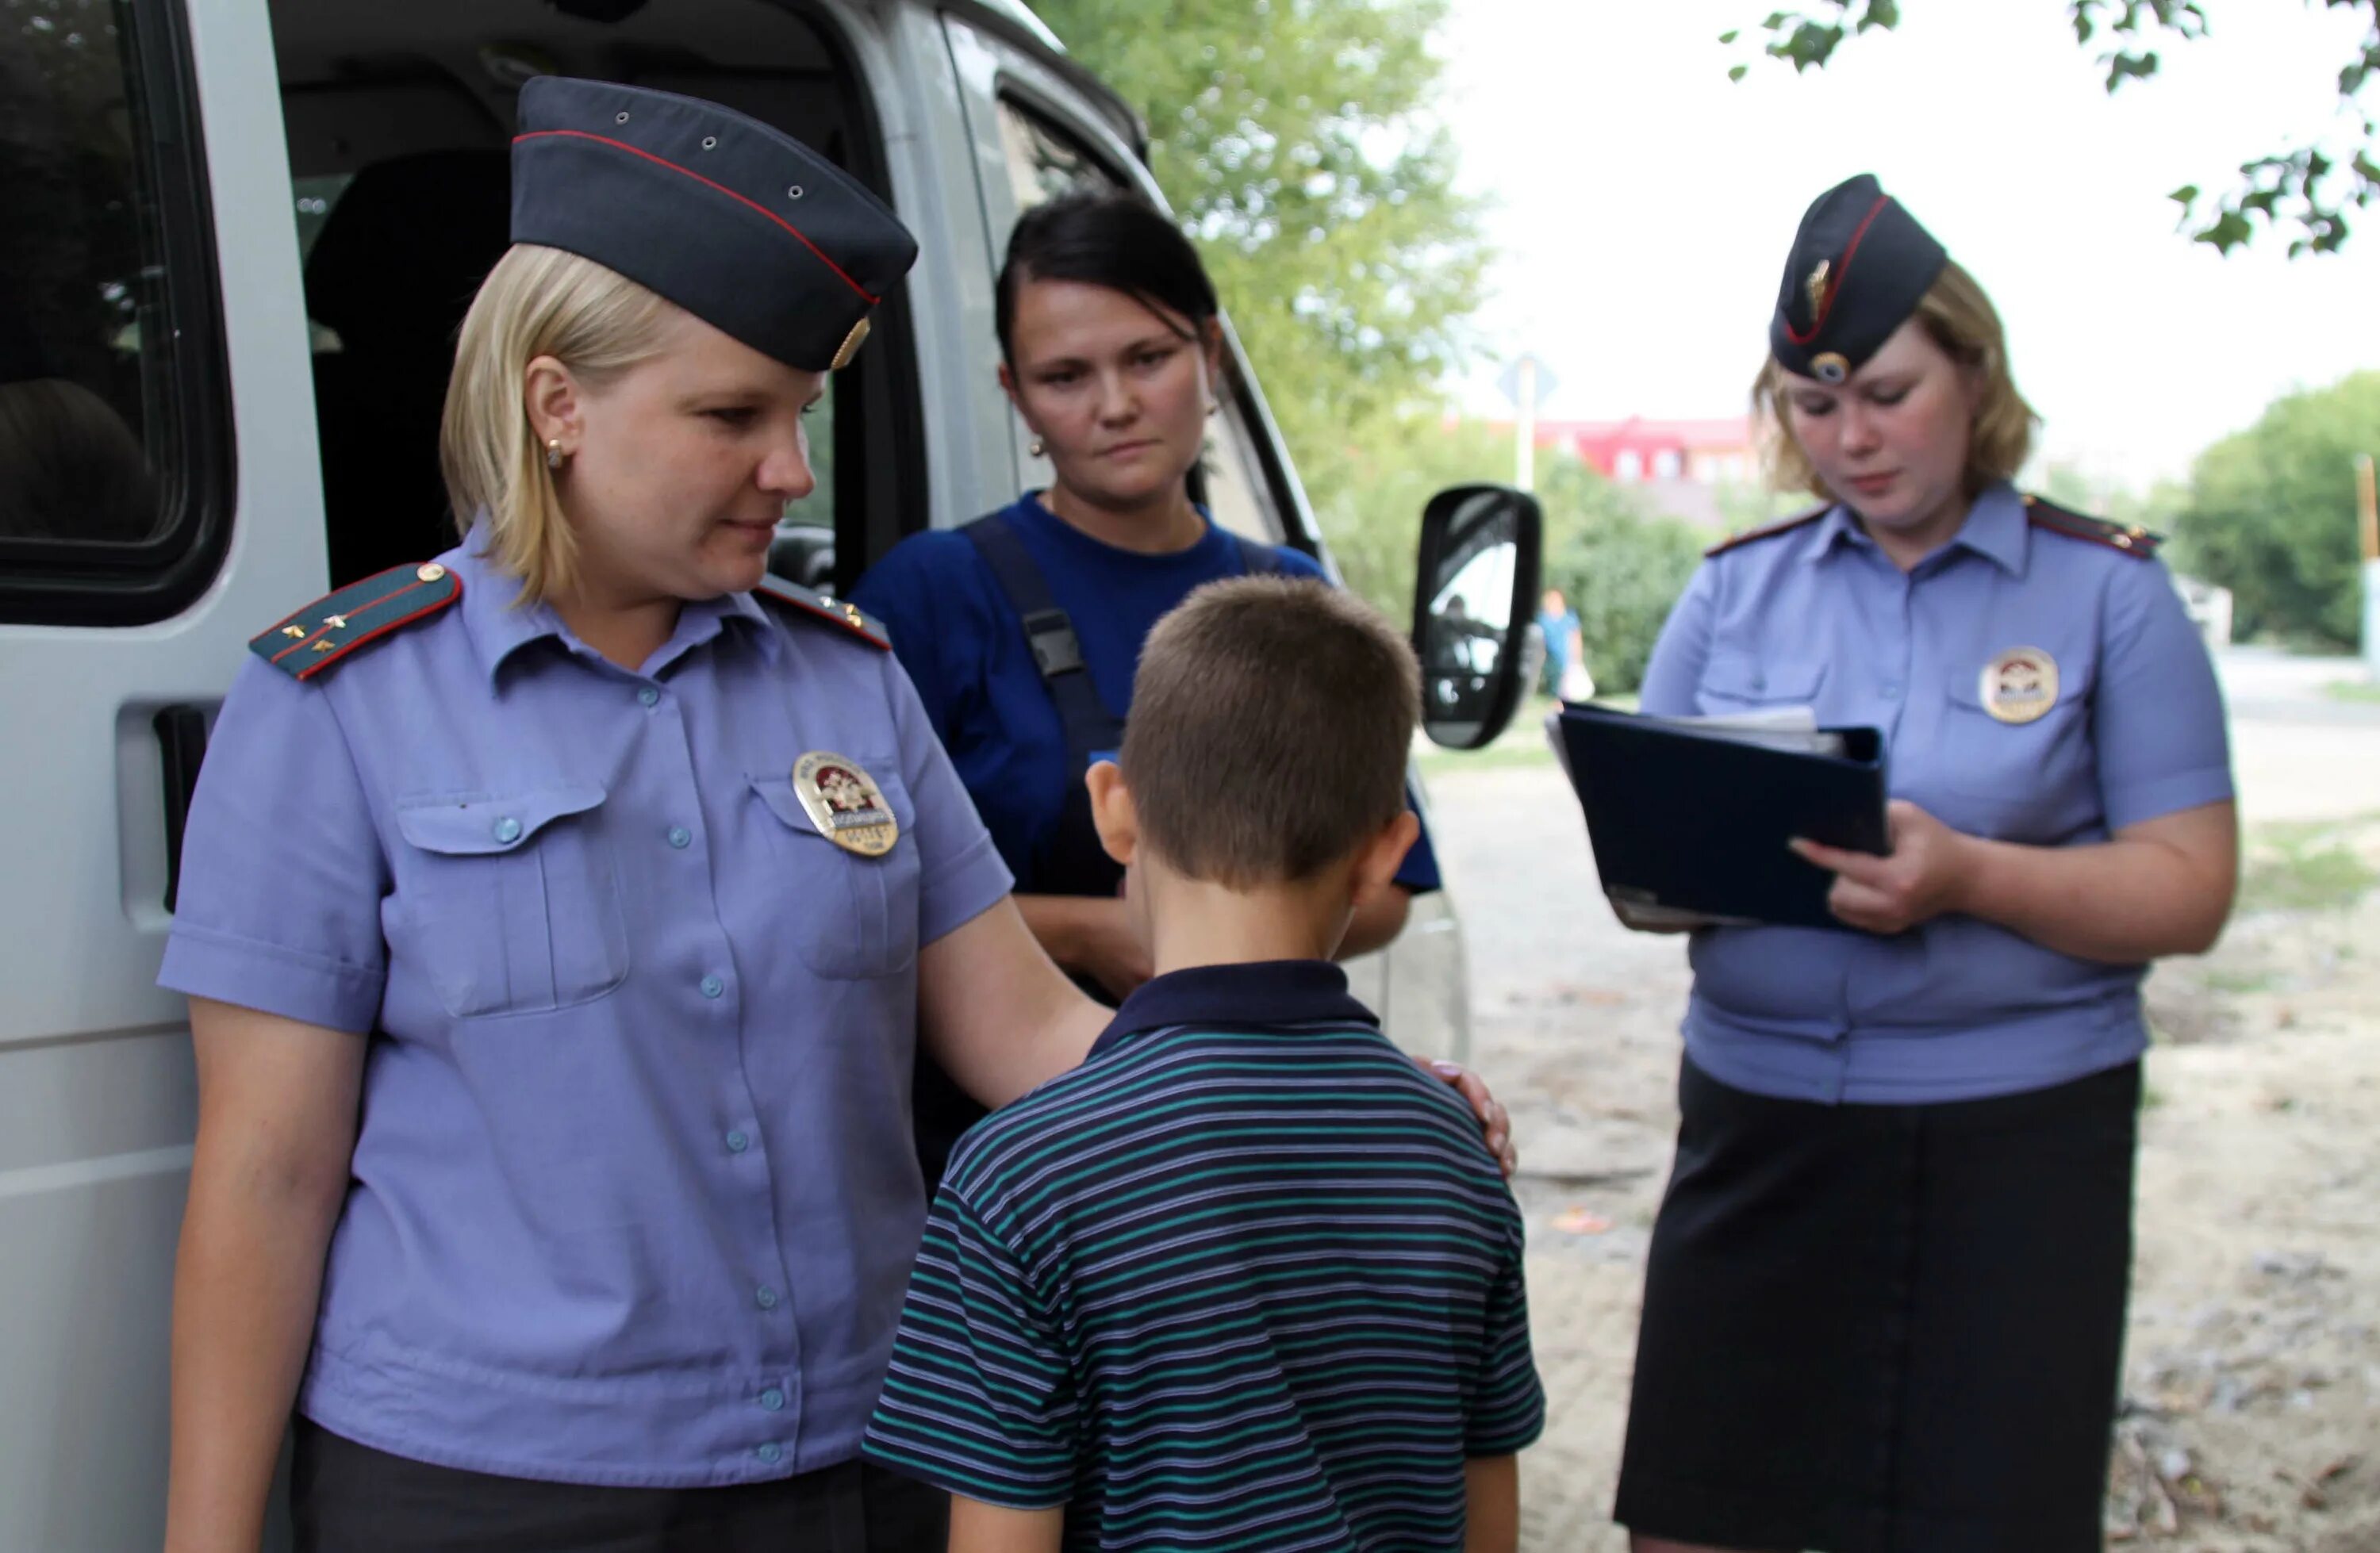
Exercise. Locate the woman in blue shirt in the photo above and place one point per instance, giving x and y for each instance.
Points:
(1022, 630)
(1885, 1303)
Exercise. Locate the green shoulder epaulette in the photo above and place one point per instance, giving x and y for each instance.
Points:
(1769, 530)
(2130, 539)
(816, 606)
(328, 630)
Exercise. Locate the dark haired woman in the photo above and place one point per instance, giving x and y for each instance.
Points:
(1884, 1307)
(1112, 351)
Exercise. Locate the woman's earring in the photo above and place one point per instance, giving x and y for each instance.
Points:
(1034, 447)
(554, 454)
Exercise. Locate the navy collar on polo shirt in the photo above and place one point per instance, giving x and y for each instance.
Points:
(1266, 994)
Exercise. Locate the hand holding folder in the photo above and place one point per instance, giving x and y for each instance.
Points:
(1689, 818)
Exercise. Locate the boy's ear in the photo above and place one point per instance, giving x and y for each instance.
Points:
(1113, 815)
(1376, 864)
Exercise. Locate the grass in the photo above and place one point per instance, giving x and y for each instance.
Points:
(2304, 866)
(2361, 690)
(2241, 982)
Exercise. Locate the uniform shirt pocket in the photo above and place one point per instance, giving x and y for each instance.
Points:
(852, 916)
(511, 899)
(2023, 781)
(1734, 680)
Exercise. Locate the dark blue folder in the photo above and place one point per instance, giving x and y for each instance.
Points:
(1698, 821)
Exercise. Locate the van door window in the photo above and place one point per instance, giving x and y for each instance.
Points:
(110, 444)
(1044, 161)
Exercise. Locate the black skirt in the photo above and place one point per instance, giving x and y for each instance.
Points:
(1877, 1329)
(347, 1497)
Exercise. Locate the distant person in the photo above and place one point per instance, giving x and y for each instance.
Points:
(1565, 668)
(1246, 1279)
(1885, 1305)
(1021, 629)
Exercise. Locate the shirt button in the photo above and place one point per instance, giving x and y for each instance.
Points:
(773, 1399)
(680, 837)
(765, 1297)
(1760, 681)
(737, 1142)
(771, 1452)
(648, 696)
(1892, 692)
(712, 987)
(507, 830)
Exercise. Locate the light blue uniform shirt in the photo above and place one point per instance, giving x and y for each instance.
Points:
(1817, 616)
(635, 1197)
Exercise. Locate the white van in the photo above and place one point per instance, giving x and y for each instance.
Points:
(235, 238)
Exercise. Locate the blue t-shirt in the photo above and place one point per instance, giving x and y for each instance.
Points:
(965, 650)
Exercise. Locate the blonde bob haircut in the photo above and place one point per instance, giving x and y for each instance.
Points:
(537, 301)
(1958, 317)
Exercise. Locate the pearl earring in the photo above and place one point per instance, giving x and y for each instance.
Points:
(1034, 447)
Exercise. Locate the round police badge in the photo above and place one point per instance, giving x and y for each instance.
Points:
(2021, 685)
(1829, 367)
(845, 803)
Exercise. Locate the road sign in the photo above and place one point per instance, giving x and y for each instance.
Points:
(1508, 382)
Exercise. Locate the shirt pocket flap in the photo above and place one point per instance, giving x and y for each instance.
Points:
(1743, 676)
(476, 826)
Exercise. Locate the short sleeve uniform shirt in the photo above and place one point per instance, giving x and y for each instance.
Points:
(1817, 616)
(634, 1192)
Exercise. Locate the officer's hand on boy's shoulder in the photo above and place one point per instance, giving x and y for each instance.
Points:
(1485, 1106)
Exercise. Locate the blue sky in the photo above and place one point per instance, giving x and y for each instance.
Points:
(1644, 203)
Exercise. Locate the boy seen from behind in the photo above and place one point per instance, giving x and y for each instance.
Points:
(1247, 1277)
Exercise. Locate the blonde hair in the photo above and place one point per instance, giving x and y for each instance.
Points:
(537, 301)
(1958, 317)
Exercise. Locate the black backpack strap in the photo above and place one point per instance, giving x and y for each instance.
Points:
(1057, 651)
(1259, 560)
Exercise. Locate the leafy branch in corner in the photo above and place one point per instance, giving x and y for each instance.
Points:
(2307, 191)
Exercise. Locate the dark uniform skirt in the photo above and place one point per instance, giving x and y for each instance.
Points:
(1885, 1327)
(347, 1497)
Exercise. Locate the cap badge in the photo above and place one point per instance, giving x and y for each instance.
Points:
(1816, 286)
(2020, 685)
(1828, 367)
(845, 803)
(850, 347)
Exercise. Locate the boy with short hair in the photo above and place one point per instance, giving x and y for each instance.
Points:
(1247, 1277)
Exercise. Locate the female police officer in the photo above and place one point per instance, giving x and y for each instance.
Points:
(1022, 630)
(1887, 1286)
(639, 885)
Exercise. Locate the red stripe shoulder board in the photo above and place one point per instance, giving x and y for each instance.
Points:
(1769, 530)
(305, 643)
(2130, 539)
(809, 605)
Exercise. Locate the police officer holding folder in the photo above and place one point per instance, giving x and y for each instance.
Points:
(1886, 1295)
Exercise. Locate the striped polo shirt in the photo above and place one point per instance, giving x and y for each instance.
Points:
(1247, 1277)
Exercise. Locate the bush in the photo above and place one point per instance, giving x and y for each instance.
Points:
(1621, 568)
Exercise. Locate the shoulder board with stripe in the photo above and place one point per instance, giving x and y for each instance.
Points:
(812, 605)
(1769, 530)
(305, 643)
(2130, 539)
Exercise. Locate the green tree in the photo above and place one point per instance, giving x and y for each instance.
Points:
(1369, 484)
(2271, 513)
(1295, 141)
(2304, 191)
(1620, 567)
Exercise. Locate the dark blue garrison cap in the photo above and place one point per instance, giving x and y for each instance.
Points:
(1860, 266)
(740, 224)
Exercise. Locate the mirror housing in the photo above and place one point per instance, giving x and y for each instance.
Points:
(1475, 593)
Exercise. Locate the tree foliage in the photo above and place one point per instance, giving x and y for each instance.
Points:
(2305, 191)
(2270, 514)
(1295, 141)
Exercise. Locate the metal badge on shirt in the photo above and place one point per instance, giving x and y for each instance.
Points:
(845, 803)
(2021, 685)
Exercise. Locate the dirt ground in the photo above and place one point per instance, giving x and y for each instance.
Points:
(2251, 1418)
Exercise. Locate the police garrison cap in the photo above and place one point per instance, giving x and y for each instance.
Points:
(1860, 266)
(737, 223)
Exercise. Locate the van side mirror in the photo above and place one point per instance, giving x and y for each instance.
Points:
(1473, 589)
